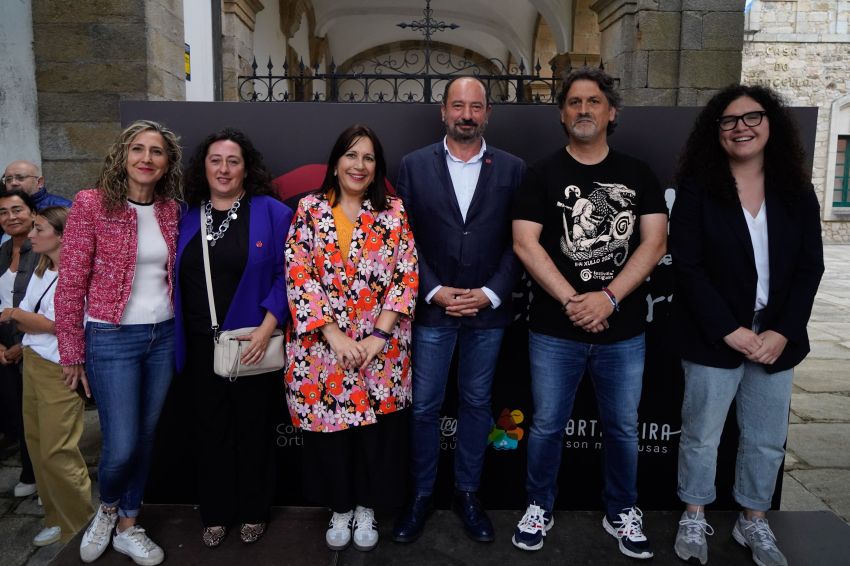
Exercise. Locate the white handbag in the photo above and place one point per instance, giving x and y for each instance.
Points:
(227, 350)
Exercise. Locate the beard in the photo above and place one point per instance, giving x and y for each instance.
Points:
(582, 129)
(464, 136)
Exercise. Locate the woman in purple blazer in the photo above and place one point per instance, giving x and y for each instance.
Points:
(228, 184)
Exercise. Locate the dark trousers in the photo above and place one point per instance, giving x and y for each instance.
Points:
(11, 405)
(235, 439)
(362, 465)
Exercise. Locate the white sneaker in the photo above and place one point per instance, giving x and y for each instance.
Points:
(365, 529)
(137, 545)
(25, 489)
(48, 535)
(96, 538)
(338, 534)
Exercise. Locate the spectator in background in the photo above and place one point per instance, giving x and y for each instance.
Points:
(53, 413)
(17, 262)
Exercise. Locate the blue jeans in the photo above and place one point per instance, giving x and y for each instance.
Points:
(129, 368)
(432, 355)
(762, 402)
(557, 368)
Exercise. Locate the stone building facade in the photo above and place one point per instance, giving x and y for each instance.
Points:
(88, 57)
(801, 48)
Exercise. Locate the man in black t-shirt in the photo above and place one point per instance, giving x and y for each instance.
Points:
(589, 225)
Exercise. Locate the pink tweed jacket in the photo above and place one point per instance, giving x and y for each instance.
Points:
(98, 265)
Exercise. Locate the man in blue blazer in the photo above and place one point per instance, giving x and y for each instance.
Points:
(458, 195)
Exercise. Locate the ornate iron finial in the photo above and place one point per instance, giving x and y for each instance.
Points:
(427, 26)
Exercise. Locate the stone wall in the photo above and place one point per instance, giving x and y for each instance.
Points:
(89, 56)
(671, 52)
(801, 49)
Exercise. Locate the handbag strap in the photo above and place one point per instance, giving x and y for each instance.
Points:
(38, 303)
(207, 276)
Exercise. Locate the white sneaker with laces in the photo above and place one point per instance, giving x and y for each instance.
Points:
(136, 544)
(338, 534)
(628, 529)
(48, 535)
(365, 529)
(96, 538)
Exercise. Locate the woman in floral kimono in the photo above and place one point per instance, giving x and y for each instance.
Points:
(352, 280)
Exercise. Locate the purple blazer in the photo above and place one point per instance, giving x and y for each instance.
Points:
(263, 284)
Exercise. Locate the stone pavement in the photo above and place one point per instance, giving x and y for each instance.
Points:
(817, 465)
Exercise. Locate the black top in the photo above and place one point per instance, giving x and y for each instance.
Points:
(591, 225)
(228, 258)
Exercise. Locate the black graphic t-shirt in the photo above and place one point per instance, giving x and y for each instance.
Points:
(591, 226)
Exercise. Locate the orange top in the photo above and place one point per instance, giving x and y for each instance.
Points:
(344, 230)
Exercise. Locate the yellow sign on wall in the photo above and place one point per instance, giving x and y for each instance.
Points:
(187, 61)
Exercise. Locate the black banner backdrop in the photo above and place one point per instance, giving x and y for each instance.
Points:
(296, 134)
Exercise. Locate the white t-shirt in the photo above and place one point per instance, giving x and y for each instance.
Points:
(149, 300)
(7, 283)
(43, 344)
(758, 234)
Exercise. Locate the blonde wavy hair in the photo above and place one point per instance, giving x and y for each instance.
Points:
(112, 181)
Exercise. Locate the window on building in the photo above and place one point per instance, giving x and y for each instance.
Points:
(841, 193)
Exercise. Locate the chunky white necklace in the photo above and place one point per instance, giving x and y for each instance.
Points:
(213, 237)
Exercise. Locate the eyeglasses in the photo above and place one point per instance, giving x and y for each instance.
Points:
(751, 119)
(8, 179)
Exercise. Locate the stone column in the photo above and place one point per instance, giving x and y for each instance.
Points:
(90, 56)
(237, 42)
(671, 52)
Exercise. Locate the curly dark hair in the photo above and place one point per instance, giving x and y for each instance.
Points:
(258, 180)
(377, 191)
(705, 160)
(606, 84)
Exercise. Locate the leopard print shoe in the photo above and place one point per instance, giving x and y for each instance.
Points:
(251, 532)
(213, 536)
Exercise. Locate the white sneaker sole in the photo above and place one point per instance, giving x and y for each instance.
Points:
(140, 560)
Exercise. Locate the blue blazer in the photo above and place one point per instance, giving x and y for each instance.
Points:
(263, 284)
(474, 253)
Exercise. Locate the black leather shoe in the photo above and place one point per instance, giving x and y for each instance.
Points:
(475, 520)
(411, 522)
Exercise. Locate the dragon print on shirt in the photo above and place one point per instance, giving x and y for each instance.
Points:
(597, 227)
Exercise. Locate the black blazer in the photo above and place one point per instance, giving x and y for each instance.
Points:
(716, 274)
(471, 254)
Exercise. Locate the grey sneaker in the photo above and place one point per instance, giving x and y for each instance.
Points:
(137, 545)
(756, 535)
(690, 542)
(96, 538)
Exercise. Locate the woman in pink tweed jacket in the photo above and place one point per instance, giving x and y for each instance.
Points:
(115, 320)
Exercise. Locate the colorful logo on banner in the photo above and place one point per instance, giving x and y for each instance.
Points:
(506, 432)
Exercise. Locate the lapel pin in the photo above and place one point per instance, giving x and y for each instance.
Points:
(488, 161)
(259, 244)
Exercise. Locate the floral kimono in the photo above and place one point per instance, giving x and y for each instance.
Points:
(380, 272)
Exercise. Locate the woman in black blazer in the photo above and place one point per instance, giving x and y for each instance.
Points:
(746, 245)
